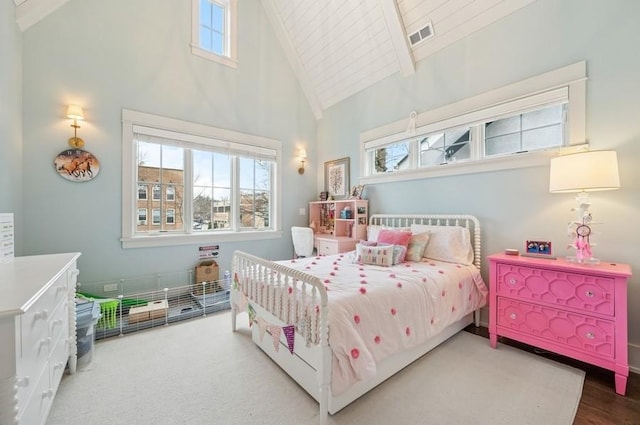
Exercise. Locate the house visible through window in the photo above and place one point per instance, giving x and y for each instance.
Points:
(214, 30)
(210, 184)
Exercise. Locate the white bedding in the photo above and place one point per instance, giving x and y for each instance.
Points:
(377, 311)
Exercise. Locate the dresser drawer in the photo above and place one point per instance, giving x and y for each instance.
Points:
(588, 293)
(581, 332)
(35, 321)
(327, 247)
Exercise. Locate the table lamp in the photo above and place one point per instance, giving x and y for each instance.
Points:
(583, 172)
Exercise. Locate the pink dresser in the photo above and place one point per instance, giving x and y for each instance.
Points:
(579, 311)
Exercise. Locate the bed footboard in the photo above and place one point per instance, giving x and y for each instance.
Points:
(294, 298)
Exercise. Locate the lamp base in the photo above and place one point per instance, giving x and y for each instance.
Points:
(589, 261)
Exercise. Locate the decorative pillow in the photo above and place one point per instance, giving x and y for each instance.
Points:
(368, 243)
(376, 255)
(399, 254)
(447, 243)
(373, 231)
(395, 237)
(417, 245)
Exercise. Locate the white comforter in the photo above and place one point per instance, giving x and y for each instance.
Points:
(375, 311)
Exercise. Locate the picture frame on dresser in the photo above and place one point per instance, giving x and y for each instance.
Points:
(336, 178)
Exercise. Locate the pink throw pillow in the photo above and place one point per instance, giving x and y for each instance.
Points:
(395, 237)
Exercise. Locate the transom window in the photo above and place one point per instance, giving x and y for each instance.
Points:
(216, 182)
(489, 131)
(214, 30)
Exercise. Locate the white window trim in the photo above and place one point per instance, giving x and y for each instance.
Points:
(129, 239)
(230, 60)
(539, 90)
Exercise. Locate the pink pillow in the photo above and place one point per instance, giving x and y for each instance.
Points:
(395, 237)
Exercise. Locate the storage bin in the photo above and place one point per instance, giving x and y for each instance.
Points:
(87, 316)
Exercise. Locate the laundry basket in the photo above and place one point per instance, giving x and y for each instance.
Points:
(87, 316)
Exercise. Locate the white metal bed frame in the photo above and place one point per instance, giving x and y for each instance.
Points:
(310, 365)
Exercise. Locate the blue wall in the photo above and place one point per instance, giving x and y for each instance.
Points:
(107, 56)
(516, 205)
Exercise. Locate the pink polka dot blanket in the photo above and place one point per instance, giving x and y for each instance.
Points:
(377, 311)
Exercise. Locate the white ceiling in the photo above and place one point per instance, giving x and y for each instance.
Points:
(340, 47)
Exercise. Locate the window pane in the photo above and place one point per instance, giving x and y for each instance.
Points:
(212, 189)
(160, 171)
(541, 138)
(255, 193)
(503, 144)
(530, 131)
(442, 148)
(390, 158)
(206, 12)
(217, 43)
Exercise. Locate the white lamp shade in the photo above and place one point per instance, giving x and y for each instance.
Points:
(75, 112)
(302, 153)
(584, 171)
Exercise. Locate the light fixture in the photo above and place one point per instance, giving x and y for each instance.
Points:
(75, 113)
(302, 154)
(583, 172)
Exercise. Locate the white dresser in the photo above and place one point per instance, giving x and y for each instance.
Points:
(38, 334)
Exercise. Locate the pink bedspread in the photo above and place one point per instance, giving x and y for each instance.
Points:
(375, 312)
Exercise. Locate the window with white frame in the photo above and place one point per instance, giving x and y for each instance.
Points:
(170, 216)
(214, 30)
(489, 131)
(142, 216)
(223, 183)
(142, 192)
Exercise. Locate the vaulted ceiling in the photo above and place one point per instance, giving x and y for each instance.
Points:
(340, 47)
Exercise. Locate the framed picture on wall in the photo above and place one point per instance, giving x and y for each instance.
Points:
(336, 178)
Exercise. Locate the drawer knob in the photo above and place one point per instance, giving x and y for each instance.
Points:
(513, 316)
(590, 294)
(45, 341)
(590, 335)
(47, 394)
(512, 281)
(23, 382)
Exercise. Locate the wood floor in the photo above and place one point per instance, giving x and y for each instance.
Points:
(599, 405)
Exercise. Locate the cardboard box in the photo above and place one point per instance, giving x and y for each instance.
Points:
(207, 275)
(207, 271)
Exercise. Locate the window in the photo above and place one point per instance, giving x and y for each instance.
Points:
(142, 192)
(170, 214)
(156, 192)
(155, 216)
(487, 132)
(214, 30)
(217, 182)
(142, 216)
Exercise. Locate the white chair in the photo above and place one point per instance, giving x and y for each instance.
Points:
(302, 241)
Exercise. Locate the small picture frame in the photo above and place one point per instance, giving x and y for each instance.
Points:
(541, 249)
(356, 191)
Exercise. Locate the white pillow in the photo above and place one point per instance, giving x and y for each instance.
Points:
(447, 243)
(376, 255)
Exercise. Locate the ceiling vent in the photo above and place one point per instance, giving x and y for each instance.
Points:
(421, 35)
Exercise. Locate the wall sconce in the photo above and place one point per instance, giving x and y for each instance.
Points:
(302, 154)
(75, 113)
(581, 173)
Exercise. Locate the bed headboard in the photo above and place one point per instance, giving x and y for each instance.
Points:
(406, 220)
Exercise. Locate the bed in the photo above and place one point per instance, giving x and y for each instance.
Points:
(339, 325)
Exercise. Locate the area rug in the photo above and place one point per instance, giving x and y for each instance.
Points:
(199, 372)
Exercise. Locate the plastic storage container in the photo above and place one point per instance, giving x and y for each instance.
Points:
(87, 316)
